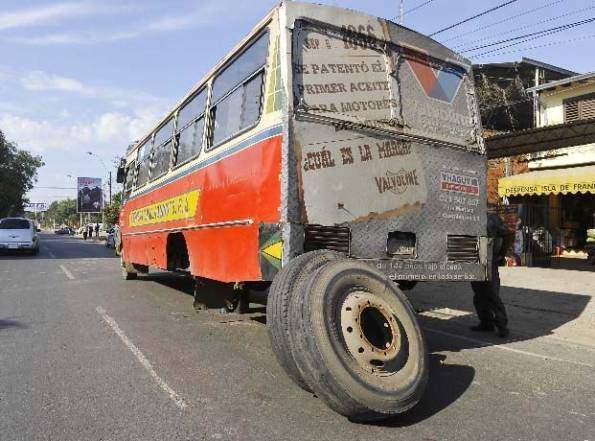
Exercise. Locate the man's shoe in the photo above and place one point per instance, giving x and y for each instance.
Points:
(483, 327)
(503, 332)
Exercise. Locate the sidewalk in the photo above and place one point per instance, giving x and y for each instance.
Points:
(541, 302)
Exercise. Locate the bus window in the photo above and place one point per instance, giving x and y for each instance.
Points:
(161, 160)
(129, 182)
(190, 128)
(144, 157)
(162, 150)
(164, 133)
(237, 92)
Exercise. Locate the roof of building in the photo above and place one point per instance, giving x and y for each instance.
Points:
(588, 77)
(531, 62)
(541, 139)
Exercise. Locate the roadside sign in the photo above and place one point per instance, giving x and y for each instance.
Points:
(89, 195)
(35, 207)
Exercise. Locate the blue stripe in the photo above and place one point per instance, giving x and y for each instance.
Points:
(268, 133)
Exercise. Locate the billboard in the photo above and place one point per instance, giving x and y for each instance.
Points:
(89, 195)
(35, 207)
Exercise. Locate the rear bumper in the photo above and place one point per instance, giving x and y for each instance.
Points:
(19, 245)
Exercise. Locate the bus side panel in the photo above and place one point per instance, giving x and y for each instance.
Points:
(227, 254)
(241, 188)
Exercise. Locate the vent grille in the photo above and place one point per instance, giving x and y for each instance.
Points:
(580, 107)
(462, 249)
(571, 111)
(319, 237)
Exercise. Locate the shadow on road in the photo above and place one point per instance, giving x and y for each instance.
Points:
(446, 384)
(532, 314)
(8, 323)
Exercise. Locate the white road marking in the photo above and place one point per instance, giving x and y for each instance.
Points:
(68, 273)
(52, 255)
(142, 359)
(488, 344)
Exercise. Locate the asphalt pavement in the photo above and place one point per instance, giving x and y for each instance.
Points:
(85, 355)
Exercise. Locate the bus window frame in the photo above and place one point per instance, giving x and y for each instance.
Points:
(149, 157)
(172, 118)
(211, 105)
(207, 89)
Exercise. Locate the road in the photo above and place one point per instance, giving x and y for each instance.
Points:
(85, 355)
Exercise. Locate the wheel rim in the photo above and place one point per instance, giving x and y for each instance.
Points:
(371, 331)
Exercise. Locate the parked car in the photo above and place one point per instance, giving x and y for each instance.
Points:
(64, 230)
(19, 234)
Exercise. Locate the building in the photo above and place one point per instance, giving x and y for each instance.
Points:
(505, 103)
(547, 173)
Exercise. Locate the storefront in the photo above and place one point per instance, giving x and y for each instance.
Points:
(553, 208)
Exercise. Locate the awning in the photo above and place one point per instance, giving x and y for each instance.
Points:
(541, 139)
(560, 181)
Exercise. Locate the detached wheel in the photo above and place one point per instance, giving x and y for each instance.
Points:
(281, 292)
(360, 347)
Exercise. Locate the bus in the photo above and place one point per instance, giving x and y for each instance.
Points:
(331, 160)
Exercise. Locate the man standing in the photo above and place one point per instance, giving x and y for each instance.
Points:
(90, 229)
(486, 298)
(97, 230)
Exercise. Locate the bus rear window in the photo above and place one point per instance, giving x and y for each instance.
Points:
(343, 77)
(348, 77)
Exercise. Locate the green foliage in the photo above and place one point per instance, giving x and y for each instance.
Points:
(112, 211)
(18, 172)
(62, 213)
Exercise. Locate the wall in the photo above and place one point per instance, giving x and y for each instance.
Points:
(551, 109)
(497, 170)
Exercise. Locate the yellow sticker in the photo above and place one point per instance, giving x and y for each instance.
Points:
(177, 208)
(275, 250)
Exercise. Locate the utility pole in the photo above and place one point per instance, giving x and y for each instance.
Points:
(401, 13)
(110, 187)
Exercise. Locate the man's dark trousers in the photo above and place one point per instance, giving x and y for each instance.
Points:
(487, 302)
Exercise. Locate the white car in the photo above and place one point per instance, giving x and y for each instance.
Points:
(18, 234)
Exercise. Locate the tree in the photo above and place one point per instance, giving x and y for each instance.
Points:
(112, 210)
(18, 173)
(62, 213)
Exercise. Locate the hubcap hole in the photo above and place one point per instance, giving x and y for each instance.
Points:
(377, 363)
(349, 329)
(375, 327)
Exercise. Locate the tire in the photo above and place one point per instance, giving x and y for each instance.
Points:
(277, 311)
(357, 343)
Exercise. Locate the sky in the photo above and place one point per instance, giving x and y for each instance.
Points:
(95, 75)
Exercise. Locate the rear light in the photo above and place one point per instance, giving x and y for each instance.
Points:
(401, 243)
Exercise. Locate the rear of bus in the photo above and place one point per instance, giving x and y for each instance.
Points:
(385, 132)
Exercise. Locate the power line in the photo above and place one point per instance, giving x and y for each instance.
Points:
(415, 8)
(481, 14)
(481, 28)
(538, 34)
(522, 49)
(531, 25)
